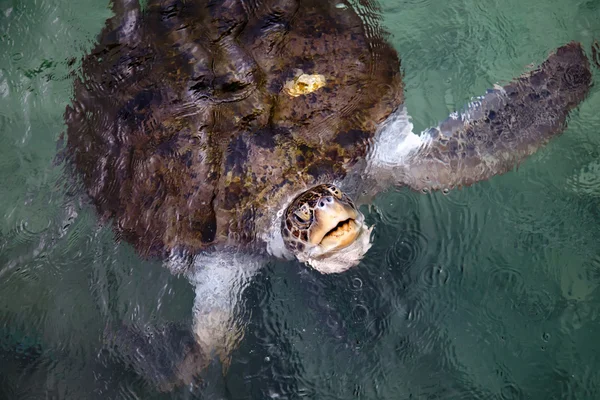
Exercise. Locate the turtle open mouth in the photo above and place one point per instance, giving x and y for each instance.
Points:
(342, 234)
(341, 228)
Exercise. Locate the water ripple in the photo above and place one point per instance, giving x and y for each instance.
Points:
(586, 180)
(537, 305)
(511, 391)
(409, 249)
(396, 207)
(434, 276)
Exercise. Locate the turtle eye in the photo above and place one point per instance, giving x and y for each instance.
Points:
(335, 191)
(302, 214)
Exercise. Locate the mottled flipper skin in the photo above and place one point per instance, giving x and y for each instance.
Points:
(504, 127)
(182, 132)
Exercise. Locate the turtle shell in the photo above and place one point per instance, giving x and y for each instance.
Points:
(192, 119)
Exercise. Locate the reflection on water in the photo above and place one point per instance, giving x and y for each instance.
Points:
(487, 292)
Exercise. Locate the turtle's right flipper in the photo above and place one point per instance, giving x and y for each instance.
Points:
(165, 357)
(502, 128)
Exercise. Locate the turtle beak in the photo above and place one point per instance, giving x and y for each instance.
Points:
(337, 224)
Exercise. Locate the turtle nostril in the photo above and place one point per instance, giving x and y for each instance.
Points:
(233, 86)
(325, 201)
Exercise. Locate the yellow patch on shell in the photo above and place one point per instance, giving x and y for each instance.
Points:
(304, 84)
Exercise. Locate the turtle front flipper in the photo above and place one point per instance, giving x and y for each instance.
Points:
(497, 131)
(166, 357)
(504, 126)
(174, 354)
(219, 280)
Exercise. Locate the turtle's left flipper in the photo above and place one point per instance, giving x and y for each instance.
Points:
(166, 356)
(219, 280)
(173, 354)
(502, 128)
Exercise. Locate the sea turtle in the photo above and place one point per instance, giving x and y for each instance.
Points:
(217, 133)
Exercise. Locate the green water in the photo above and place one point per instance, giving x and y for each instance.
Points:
(488, 292)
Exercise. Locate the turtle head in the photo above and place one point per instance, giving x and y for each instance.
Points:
(323, 228)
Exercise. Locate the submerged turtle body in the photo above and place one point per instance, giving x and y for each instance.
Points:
(192, 118)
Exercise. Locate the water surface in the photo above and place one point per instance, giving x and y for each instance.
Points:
(487, 292)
